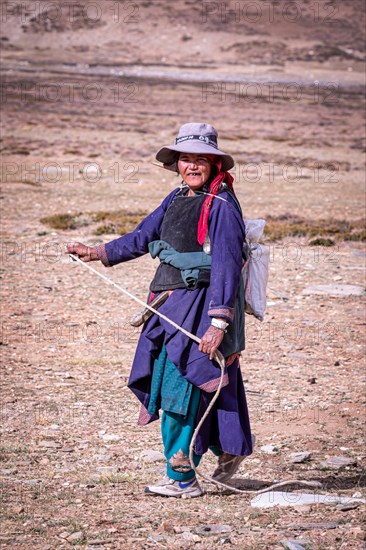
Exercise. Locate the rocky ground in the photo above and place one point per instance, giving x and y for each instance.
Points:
(88, 97)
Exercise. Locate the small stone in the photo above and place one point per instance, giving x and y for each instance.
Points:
(64, 535)
(8, 471)
(18, 509)
(281, 498)
(297, 458)
(107, 470)
(50, 444)
(357, 532)
(75, 536)
(111, 437)
(191, 537)
(166, 527)
(225, 541)
(117, 449)
(150, 455)
(306, 526)
(269, 449)
(292, 545)
(32, 481)
(100, 542)
(338, 462)
(334, 290)
(243, 530)
(346, 507)
(304, 509)
(213, 529)
(181, 529)
(101, 457)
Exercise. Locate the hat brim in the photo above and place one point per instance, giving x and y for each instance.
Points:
(168, 155)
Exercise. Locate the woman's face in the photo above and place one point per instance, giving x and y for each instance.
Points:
(194, 169)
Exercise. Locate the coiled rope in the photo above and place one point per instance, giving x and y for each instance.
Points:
(221, 361)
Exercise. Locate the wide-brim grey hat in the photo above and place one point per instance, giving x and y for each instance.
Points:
(194, 137)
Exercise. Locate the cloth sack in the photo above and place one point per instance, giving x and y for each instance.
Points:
(255, 270)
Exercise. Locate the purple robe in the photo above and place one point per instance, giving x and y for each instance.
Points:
(228, 424)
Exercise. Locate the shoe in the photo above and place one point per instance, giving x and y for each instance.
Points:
(228, 465)
(171, 488)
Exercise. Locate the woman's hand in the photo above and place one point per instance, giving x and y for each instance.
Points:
(211, 340)
(83, 252)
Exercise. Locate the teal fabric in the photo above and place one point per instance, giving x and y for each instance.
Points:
(177, 432)
(179, 401)
(169, 390)
(189, 263)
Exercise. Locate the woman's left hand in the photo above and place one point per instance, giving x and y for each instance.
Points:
(211, 340)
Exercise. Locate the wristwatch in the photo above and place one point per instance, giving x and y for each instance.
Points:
(219, 323)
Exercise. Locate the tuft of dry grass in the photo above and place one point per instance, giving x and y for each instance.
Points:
(61, 221)
(119, 222)
(288, 225)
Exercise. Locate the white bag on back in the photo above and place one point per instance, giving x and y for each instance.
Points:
(255, 270)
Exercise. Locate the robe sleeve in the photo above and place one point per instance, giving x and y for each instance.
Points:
(135, 244)
(227, 233)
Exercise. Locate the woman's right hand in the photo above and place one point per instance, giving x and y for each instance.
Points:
(83, 252)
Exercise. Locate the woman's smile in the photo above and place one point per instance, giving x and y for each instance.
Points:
(194, 169)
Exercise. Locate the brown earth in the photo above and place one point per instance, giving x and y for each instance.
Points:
(87, 100)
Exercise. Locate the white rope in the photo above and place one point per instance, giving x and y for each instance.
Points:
(221, 361)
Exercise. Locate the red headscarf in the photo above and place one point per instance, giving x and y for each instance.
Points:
(214, 189)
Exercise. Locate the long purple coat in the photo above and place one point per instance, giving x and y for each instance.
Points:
(228, 424)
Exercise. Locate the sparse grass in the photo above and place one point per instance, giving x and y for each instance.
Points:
(61, 221)
(321, 241)
(123, 477)
(287, 225)
(12, 448)
(119, 222)
(278, 138)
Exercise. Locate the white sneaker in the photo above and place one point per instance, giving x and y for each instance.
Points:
(171, 488)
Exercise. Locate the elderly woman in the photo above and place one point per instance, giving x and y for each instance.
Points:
(197, 232)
